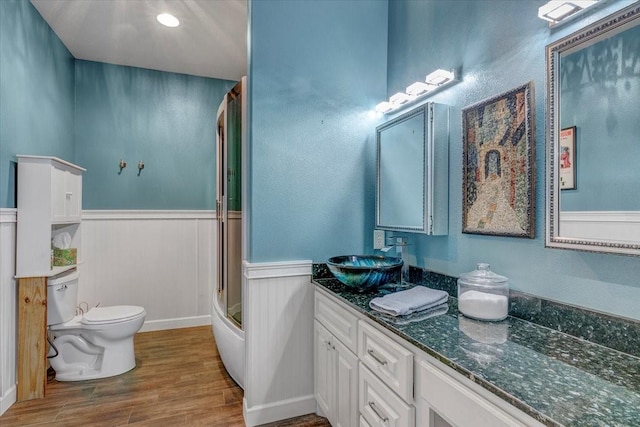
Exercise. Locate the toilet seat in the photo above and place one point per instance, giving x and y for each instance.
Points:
(114, 314)
(101, 317)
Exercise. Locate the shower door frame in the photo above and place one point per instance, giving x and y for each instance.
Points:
(230, 253)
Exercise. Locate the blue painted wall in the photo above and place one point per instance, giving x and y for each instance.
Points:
(316, 70)
(166, 120)
(36, 92)
(500, 45)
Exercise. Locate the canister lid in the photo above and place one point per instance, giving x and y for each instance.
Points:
(483, 276)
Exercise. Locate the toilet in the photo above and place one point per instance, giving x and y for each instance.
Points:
(95, 344)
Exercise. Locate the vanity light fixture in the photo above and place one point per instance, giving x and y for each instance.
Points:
(417, 90)
(384, 107)
(557, 10)
(400, 98)
(168, 20)
(439, 77)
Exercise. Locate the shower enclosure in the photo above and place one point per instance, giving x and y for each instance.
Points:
(226, 313)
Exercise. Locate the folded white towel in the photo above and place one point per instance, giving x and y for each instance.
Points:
(418, 316)
(406, 302)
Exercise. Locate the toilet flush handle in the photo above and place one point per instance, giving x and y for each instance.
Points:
(62, 288)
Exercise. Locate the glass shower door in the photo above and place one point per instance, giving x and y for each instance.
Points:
(229, 205)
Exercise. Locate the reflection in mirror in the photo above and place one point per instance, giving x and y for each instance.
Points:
(412, 160)
(593, 157)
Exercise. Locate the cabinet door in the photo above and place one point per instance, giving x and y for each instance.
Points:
(346, 367)
(73, 196)
(66, 195)
(58, 196)
(324, 371)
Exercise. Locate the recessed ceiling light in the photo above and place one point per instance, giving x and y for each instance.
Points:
(168, 20)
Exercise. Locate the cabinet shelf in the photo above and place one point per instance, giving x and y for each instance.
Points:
(50, 273)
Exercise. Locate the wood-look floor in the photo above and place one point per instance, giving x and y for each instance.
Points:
(179, 380)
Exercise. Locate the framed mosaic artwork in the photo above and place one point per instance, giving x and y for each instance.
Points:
(499, 165)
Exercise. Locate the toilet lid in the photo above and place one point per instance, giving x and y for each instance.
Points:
(116, 313)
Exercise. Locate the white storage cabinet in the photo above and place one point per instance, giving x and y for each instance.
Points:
(49, 202)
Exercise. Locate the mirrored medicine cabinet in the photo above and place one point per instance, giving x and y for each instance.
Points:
(593, 137)
(413, 171)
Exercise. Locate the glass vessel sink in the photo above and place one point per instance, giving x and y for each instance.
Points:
(363, 273)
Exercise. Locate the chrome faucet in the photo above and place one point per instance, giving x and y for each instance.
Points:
(399, 243)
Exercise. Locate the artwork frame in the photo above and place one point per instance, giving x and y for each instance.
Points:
(567, 158)
(498, 194)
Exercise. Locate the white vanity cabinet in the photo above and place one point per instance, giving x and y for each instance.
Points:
(336, 364)
(49, 202)
(399, 384)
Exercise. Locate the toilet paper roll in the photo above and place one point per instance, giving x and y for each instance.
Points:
(62, 240)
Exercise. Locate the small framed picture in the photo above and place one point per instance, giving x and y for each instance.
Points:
(567, 158)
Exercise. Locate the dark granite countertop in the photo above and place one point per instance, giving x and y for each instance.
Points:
(554, 377)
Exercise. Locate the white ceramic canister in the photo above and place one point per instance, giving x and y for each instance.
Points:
(483, 295)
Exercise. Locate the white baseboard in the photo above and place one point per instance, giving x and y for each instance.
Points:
(8, 399)
(184, 322)
(262, 414)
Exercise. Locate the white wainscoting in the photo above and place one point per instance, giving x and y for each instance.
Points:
(164, 261)
(8, 314)
(617, 226)
(278, 320)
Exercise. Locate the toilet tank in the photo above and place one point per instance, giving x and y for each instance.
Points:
(62, 297)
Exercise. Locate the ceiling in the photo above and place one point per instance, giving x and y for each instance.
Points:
(211, 40)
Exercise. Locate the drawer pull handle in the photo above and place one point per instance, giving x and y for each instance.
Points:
(377, 358)
(373, 407)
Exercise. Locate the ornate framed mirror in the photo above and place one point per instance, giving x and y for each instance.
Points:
(593, 137)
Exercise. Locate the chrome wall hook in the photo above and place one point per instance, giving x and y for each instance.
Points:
(122, 165)
(140, 167)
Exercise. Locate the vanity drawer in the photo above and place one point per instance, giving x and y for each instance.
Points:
(363, 422)
(460, 405)
(338, 320)
(379, 406)
(390, 361)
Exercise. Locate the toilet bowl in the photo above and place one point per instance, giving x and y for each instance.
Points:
(95, 344)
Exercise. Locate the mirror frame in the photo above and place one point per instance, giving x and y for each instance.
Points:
(554, 50)
(420, 111)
